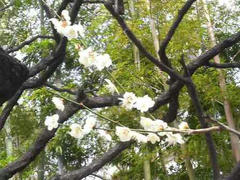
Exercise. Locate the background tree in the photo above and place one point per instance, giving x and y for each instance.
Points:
(158, 48)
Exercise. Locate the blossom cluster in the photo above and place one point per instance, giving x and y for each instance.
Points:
(130, 101)
(65, 28)
(78, 132)
(154, 130)
(87, 57)
(52, 121)
(90, 58)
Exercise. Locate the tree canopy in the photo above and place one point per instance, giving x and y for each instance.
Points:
(119, 89)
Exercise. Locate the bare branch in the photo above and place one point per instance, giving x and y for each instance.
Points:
(59, 89)
(224, 126)
(10, 50)
(205, 57)
(95, 164)
(192, 67)
(223, 65)
(164, 44)
(136, 41)
(209, 140)
(63, 6)
(11, 103)
(93, 2)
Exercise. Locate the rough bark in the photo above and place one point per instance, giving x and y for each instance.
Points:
(12, 75)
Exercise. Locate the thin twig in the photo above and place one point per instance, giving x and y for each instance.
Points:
(224, 126)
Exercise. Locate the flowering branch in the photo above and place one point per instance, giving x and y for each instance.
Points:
(87, 108)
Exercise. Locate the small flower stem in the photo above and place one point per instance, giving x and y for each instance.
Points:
(118, 83)
(186, 131)
(87, 108)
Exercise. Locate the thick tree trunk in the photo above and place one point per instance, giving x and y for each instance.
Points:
(227, 108)
(12, 75)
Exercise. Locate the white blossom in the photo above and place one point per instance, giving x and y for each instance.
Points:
(139, 137)
(128, 100)
(76, 131)
(103, 61)
(124, 133)
(146, 123)
(60, 26)
(105, 135)
(79, 28)
(159, 125)
(153, 138)
(150, 125)
(87, 57)
(51, 122)
(65, 28)
(144, 103)
(65, 15)
(183, 126)
(58, 103)
(173, 139)
(111, 87)
(70, 32)
(89, 125)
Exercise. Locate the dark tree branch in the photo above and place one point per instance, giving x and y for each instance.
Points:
(43, 64)
(209, 140)
(165, 97)
(11, 103)
(205, 57)
(165, 42)
(223, 65)
(171, 115)
(75, 9)
(192, 67)
(63, 6)
(47, 10)
(93, 2)
(95, 164)
(210, 143)
(136, 41)
(60, 89)
(10, 50)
